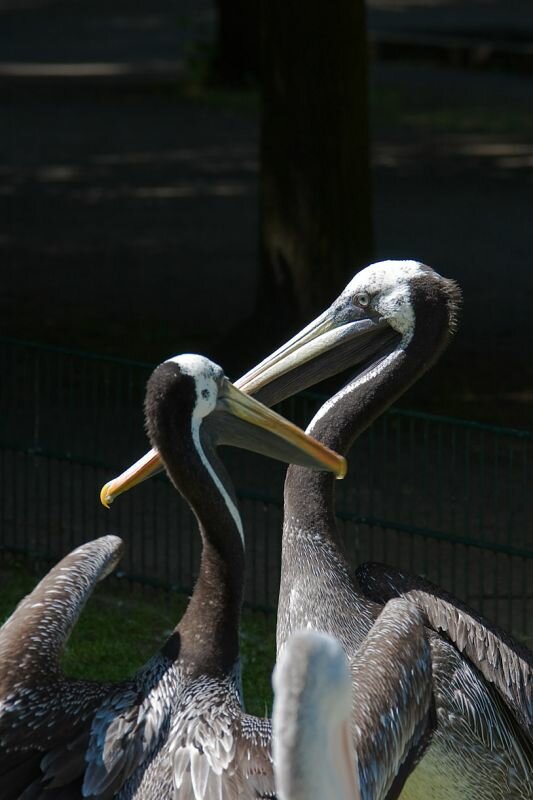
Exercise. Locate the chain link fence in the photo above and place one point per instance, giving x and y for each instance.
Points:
(441, 497)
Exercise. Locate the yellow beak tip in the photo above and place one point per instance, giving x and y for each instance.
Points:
(105, 497)
(343, 469)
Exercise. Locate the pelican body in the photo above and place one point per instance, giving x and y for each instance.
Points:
(392, 321)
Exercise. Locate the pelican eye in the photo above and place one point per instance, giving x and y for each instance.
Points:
(362, 299)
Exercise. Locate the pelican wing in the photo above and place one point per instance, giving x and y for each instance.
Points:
(32, 639)
(216, 750)
(393, 714)
(42, 712)
(129, 729)
(501, 660)
(191, 740)
(126, 737)
(48, 758)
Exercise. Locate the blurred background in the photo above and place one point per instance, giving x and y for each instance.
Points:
(187, 175)
(183, 175)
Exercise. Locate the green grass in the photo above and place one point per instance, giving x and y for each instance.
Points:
(122, 626)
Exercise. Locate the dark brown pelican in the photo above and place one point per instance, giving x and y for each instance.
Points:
(393, 319)
(177, 728)
(381, 703)
(388, 744)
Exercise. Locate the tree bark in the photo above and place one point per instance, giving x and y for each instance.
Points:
(315, 185)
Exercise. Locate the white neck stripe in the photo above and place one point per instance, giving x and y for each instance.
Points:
(352, 386)
(232, 508)
(205, 374)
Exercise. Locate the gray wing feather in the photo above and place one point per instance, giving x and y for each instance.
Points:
(126, 731)
(501, 660)
(393, 713)
(46, 746)
(34, 635)
(217, 751)
(53, 728)
(45, 718)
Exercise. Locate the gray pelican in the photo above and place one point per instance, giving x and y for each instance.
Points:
(177, 728)
(391, 322)
(312, 721)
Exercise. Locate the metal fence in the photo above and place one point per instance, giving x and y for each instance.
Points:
(440, 497)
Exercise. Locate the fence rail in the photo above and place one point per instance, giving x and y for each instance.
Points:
(445, 498)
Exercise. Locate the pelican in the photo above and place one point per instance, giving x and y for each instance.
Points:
(388, 747)
(177, 729)
(391, 322)
(315, 755)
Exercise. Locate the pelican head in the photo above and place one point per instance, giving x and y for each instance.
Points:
(311, 737)
(379, 311)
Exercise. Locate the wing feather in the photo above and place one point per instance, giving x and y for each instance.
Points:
(127, 731)
(32, 639)
(393, 713)
(502, 661)
(216, 750)
(45, 718)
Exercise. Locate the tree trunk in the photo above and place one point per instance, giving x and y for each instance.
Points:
(315, 185)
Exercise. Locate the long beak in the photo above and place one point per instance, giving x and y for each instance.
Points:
(321, 350)
(286, 356)
(280, 439)
(307, 357)
(301, 362)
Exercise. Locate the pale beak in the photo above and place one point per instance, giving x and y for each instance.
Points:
(322, 349)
